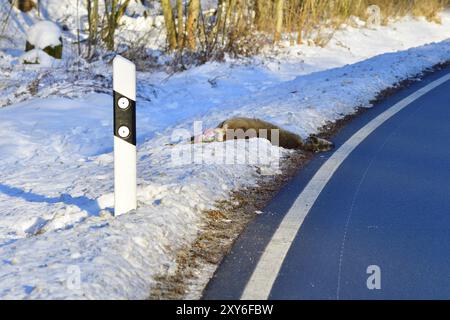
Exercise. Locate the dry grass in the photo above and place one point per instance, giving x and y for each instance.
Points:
(243, 27)
(316, 11)
(310, 17)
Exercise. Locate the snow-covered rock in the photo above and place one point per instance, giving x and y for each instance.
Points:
(44, 34)
(37, 56)
(25, 5)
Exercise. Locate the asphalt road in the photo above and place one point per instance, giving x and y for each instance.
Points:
(382, 219)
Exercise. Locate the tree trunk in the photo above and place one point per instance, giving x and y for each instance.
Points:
(278, 19)
(170, 24)
(290, 21)
(230, 6)
(111, 25)
(120, 12)
(92, 8)
(259, 14)
(231, 13)
(113, 13)
(219, 21)
(180, 24)
(239, 19)
(191, 25)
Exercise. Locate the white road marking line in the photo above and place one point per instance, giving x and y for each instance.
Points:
(269, 265)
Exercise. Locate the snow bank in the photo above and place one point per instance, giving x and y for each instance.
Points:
(44, 34)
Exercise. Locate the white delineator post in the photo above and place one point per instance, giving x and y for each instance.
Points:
(124, 86)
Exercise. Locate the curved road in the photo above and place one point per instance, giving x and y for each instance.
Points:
(370, 220)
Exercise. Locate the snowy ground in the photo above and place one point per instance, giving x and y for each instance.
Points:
(58, 238)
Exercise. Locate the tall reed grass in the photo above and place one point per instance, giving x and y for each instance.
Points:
(306, 16)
